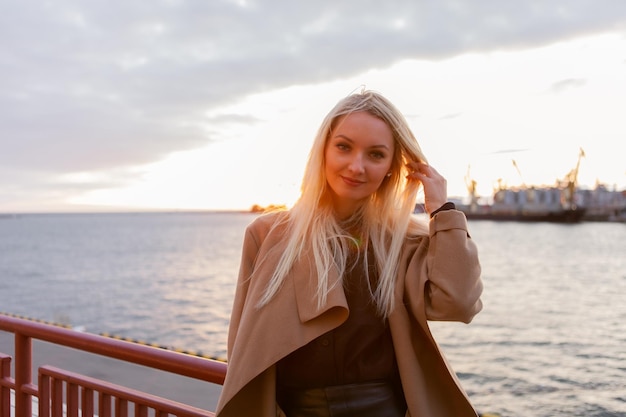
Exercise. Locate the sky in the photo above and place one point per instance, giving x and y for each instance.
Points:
(110, 105)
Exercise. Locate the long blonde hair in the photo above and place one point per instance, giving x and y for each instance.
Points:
(385, 219)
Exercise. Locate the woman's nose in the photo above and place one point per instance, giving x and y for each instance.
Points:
(356, 164)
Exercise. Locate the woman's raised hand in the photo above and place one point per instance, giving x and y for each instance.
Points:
(435, 185)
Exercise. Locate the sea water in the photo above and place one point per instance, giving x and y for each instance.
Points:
(551, 340)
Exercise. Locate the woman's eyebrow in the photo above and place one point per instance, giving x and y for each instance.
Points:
(342, 136)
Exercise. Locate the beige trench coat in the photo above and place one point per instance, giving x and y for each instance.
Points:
(439, 279)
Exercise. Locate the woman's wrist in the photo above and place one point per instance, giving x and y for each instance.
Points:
(446, 206)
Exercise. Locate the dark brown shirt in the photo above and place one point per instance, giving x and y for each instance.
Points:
(360, 350)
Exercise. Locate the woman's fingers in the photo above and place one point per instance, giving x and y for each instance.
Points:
(435, 185)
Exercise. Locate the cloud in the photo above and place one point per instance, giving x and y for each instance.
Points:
(567, 84)
(451, 116)
(110, 84)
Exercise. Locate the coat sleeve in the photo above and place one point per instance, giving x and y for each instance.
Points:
(453, 286)
(255, 234)
(251, 245)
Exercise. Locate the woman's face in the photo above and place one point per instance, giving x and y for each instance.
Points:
(358, 156)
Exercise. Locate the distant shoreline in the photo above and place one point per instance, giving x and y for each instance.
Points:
(5, 215)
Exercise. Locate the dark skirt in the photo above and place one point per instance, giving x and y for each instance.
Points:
(372, 399)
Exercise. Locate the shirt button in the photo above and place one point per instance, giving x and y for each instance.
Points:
(325, 342)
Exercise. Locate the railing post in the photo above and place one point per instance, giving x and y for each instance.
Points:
(23, 374)
(5, 391)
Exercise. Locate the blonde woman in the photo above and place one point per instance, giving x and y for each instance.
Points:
(333, 297)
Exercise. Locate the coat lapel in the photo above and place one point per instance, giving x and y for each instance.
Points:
(304, 279)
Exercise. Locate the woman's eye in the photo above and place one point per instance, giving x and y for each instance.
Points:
(378, 155)
(342, 147)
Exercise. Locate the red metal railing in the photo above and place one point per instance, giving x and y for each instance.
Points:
(65, 393)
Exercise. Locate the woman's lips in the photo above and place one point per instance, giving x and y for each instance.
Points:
(352, 182)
